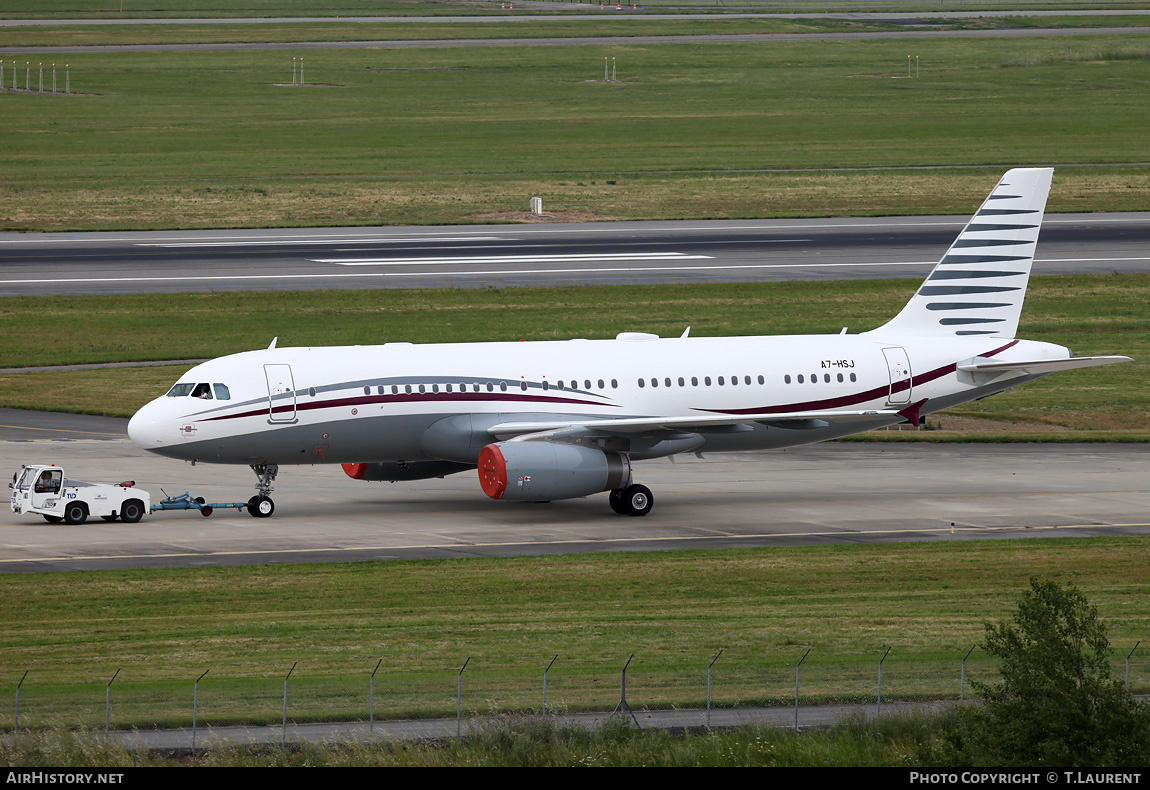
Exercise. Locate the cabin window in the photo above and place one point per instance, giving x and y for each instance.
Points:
(800, 378)
(311, 391)
(181, 390)
(407, 388)
(707, 380)
(435, 388)
(762, 380)
(367, 390)
(853, 377)
(614, 384)
(587, 384)
(641, 384)
(840, 378)
(547, 387)
(654, 382)
(734, 381)
(490, 387)
(682, 383)
(523, 386)
(394, 389)
(787, 379)
(720, 381)
(503, 386)
(421, 388)
(600, 383)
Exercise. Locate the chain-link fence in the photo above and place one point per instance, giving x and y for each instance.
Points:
(642, 683)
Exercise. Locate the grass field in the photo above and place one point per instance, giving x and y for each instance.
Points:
(1092, 315)
(441, 135)
(674, 610)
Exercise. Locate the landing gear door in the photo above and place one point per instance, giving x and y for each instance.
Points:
(281, 393)
(900, 379)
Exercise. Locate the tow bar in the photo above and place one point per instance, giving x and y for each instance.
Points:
(185, 501)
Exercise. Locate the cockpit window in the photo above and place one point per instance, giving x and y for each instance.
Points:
(222, 392)
(202, 391)
(180, 390)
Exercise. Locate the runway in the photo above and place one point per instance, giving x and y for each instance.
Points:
(481, 256)
(829, 494)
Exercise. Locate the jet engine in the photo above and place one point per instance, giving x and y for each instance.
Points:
(543, 471)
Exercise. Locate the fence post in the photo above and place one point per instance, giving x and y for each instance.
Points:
(801, 660)
(108, 702)
(884, 655)
(545, 682)
(283, 740)
(195, 708)
(371, 699)
(623, 695)
(459, 699)
(713, 660)
(1128, 664)
(18, 685)
(962, 679)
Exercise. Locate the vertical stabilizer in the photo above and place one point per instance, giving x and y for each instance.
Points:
(979, 285)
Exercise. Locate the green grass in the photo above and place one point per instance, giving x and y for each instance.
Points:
(443, 135)
(673, 610)
(539, 27)
(1093, 315)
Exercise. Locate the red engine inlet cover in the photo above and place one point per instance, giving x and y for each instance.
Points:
(492, 472)
(355, 471)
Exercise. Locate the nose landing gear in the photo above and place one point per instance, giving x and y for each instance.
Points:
(261, 505)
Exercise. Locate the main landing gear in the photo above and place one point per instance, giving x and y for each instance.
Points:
(634, 500)
(261, 505)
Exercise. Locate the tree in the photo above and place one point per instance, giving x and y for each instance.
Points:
(1056, 704)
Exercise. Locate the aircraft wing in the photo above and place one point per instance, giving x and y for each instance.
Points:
(624, 426)
(1040, 366)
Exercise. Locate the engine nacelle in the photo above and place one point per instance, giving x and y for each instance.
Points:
(543, 471)
(394, 472)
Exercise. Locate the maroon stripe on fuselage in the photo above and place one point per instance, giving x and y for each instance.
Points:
(858, 397)
(414, 397)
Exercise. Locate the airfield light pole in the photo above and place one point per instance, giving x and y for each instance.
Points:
(67, 78)
(801, 660)
(195, 707)
(1128, 664)
(459, 699)
(1, 75)
(884, 655)
(545, 682)
(713, 660)
(371, 699)
(108, 701)
(293, 71)
(301, 71)
(18, 685)
(962, 678)
(283, 740)
(41, 88)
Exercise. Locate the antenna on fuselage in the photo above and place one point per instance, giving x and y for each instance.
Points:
(273, 345)
(686, 332)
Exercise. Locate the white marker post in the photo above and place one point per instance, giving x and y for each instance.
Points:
(293, 71)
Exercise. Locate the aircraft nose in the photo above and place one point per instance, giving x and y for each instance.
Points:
(145, 429)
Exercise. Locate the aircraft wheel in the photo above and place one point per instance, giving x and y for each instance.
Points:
(132, 511)
(52, 519)
(637, 500)
(615, 498)
(75, 513)
(261, 506)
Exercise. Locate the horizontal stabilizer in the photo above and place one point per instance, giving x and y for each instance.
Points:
(1038, 367)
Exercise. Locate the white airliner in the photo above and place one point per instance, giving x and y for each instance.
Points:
(556, 420)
